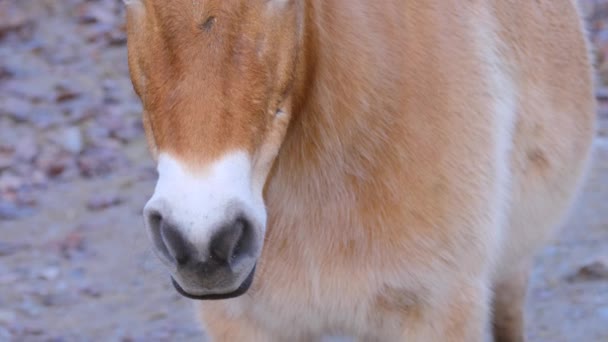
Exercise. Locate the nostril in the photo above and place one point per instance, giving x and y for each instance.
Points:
(155, 220)
(168, 239)
(175, 243)
(232, 242)
(224, 244)
(242, 244)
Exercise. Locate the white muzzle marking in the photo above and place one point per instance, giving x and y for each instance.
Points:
(197, 203)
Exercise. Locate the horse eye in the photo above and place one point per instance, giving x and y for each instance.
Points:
(208, 24)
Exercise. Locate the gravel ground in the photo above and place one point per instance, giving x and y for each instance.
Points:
(75, 264)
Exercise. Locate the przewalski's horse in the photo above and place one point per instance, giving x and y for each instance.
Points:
(390, 166)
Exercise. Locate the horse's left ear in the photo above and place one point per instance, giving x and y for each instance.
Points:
(132, 2)
(134, 6)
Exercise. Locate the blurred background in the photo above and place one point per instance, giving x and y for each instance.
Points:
(75, 264)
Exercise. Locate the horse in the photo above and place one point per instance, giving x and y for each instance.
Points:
(385, 170)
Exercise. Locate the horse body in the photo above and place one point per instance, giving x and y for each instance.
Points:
(409, 159)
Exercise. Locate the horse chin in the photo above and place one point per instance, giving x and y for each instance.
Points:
(242, 289)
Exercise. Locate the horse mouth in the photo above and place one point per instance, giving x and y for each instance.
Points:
(236, 293)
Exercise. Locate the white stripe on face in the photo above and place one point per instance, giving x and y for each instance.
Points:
(198, 203)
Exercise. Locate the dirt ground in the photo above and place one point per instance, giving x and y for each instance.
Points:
(75, 263)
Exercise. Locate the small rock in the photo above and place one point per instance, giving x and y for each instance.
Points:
(6, 160)
(10, 181)
(603, 313)
(601, 93)
(11, 18)
(44, 119)
(38, 89)
(101, 202)
(77, 273)
(57, 339)
(30, 308)
(129, 131)
(26, 198)
(594, 271)
(147, 173)
(79, 112)
(157, 316)
(97, 32)
(35, 331)
(72, 244)
(602, 128)
(57, 167)
(55, 162)
(38, 178)
(93, 13)
(70, 139)
(10, 278)
(65, 94)
(49, 273)
(7, 317)
(99, 161)
(127, 339)
(91, 292)
(89, 226)
(27, 148)
(10, 248)
(16, 108)
(5, 334)
(54, 299)
(116, 37)
(10, 211)
(114, 120)
(96, 134)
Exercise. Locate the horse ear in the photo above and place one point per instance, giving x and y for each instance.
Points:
(134, 4)
(131, 2)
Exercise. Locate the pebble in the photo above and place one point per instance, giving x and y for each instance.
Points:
(6, 161)
(601, 93)
(27, 148)
(99, 161)
(5, 334)
(33, 331)
(54, 299)
(72, 245)
(156, 316)
(104, 201)
(93, 13)
(7, 248)
(9, 278)
(12, 18)
(49, 273)
(77, 273)
(7, 317)
(91, 291)
(10, 211)
(70, 139)
(593, 271)
(15, 107)
(10, 181)
(30, 308)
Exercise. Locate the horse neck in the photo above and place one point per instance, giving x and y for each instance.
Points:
(341, 124)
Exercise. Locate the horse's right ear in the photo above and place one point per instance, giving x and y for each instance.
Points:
(131, 2)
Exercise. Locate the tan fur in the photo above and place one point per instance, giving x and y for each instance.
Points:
(428, 149)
